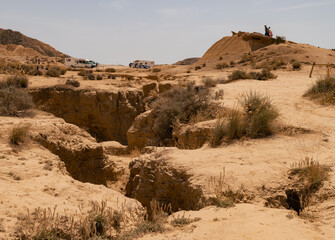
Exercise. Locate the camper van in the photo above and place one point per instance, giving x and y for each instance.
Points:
(80, 63)
(142, 64)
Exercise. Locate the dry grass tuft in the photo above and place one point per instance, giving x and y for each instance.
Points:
(19, 134)
(255, 121)
(323, 91)
(14, 102)
(181, 220)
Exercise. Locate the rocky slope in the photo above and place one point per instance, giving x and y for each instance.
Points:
(10, 37)
(107, 115)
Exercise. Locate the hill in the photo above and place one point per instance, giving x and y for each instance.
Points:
(255, 49)
(10, 38)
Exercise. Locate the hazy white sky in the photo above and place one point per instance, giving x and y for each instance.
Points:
(119, 31)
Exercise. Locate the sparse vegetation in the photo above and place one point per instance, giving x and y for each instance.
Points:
(323, 91)
(99, 222)
(280, 39)
(73, 83)
(254, 121)
(55, 72)
(181, 220)
(14, 101)
(156, 70)
(15, 81)
(260, 114)
(309, 176)
(197, 68)
(179, 105)
(99, 77)
(209, 82)
(296, 65)
(221, 65)
(19, 134)
(265, 74)
(112, 70)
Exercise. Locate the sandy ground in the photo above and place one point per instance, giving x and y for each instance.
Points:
(252, 164)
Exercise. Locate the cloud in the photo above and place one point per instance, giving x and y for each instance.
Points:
(305, 5)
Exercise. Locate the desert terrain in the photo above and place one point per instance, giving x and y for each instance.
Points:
(92, 147)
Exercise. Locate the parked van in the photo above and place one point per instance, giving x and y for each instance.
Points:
(142, 64)
(80, 63)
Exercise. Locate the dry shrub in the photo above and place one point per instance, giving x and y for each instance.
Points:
(197, 68)
(256, 120)
(323, 90)
(181, 220)
(178, 105)
(100, 222)
(260, 114)
(73, 83)
(265, 74)
(99, 77)
(296, 65)
(224, 196)
(15, 81)
(221, 65)
(19, 134)
(156, 70)
(310, 172)
(280, 39)
(14, 102)
(55, 72)
(112, 70)
(209, 82)
(237, 74)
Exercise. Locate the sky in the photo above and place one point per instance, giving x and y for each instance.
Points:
(120, 31)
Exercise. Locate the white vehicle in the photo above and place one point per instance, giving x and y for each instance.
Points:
(142, 64)
(80, 63)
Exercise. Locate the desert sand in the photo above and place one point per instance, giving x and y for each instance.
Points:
(61, 164)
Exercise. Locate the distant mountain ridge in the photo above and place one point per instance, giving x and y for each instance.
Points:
(8, 37)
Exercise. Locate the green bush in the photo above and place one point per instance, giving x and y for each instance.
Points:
(14, 101)
(15, 81)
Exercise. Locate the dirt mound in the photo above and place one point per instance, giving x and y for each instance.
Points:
(254, 48)
(187, 61)
(10, 37)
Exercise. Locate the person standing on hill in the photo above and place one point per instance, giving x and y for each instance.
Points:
(270, 32)
(266, 31)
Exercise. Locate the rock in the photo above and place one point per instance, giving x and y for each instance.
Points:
(114, 148)
(147, 88)
(153, 177)
(193, 136)
(165, 86)
(140, 134)
(106, 115)
(83, 157)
